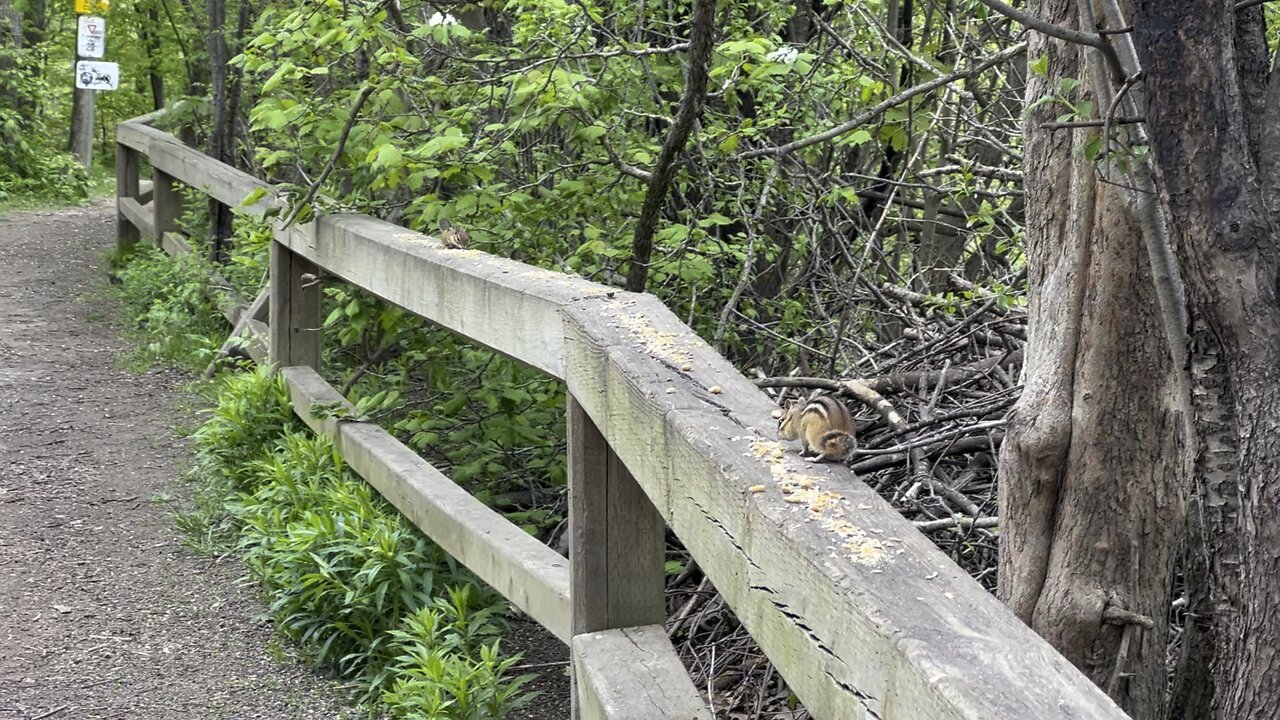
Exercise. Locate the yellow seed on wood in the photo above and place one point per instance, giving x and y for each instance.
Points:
(756, 488)
(715, 390)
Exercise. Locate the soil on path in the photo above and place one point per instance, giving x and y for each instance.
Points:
(103, 612)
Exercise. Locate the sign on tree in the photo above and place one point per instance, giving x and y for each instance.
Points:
(84, 7)
(91, 75)
(91, 36)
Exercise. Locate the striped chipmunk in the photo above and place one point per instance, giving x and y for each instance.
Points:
(823, 426)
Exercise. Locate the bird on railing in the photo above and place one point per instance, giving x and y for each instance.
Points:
(453, 236)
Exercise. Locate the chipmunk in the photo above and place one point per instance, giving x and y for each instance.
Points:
(823, 426)
(453, 236)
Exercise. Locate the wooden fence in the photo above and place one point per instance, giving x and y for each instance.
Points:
(861, 614)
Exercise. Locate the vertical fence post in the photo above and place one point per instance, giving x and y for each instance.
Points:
(126, 187)
(166, 203)
(294, 308)
(616, 538)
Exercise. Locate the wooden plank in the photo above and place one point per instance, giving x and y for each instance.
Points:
(862, 615)
(175, 244)
(508, 306)
(256, 310)
(253, 339)
(136, 135)
(138, 216)
(167, 205)
(617, 538)
(295, 309)
(222, 182)
(633, 674)
(144, 192)
(240, 327)
(149, 118)
(531, 575)
(127, 234)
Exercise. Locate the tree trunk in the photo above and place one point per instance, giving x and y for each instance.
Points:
(36, 22)
(1091, 471)
(221, 139)
(1207, 110)
(10, 25)
(150, 35)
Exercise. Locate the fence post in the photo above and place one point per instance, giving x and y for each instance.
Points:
(294, 308)
(616, 538)
(126, 187)
(166, 203)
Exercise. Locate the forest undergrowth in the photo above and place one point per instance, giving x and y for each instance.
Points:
(377, 603)
(846, 217)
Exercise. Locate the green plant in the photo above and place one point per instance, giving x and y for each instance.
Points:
(449, 666)
(171, 315)
(250, 416)
(341, 567)
(32, 165)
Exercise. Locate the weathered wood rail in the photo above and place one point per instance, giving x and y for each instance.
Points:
(860, 613)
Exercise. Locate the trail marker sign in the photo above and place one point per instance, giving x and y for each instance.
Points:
(91, 36)
(92, 75)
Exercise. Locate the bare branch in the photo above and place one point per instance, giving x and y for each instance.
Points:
(314, 188)
(879, 109)
(701, 33)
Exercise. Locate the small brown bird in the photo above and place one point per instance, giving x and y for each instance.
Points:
(453, 236)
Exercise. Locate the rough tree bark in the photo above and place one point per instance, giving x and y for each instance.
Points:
(1092, 471)
(149, 32)
(221, 141)
(702, 30)
(1211, 108)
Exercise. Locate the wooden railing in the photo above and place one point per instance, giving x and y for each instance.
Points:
(862, 615)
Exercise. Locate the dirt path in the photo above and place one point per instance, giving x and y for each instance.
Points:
(103, 613)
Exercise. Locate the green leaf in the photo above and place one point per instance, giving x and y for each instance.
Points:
(385, 155)
(254, 196)
(1040, 66)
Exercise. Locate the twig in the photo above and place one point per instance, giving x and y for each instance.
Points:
(1089, 123)
(1078, 37)
(933, 439)
(964, 523)
(963, 445)
(314, 188)
(879, 109)
(702, 32)
(748, 263)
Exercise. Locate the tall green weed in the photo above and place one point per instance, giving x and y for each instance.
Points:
(367, 595)
(170, 314)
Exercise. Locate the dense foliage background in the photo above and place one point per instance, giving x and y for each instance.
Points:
(845, 207)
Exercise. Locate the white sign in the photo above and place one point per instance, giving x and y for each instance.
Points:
(91, 36)
(92, 75)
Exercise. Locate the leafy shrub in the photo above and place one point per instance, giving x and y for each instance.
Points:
(345, 574)
(447, 668)
(342, 566)
(164, 297)
(251, 414)
(32, 165)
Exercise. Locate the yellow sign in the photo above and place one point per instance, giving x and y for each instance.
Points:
(85, 7)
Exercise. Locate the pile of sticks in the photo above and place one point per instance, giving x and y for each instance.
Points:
(930, 395)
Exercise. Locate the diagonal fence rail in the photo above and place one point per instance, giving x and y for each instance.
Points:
(861, 614)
